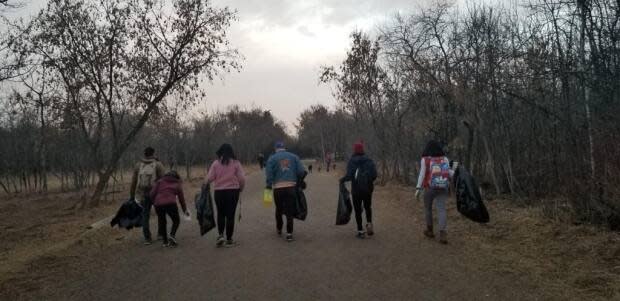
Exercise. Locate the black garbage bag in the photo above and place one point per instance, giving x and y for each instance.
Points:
(468, 199)
(343, 215)
(204, 210)
(128, 216)
(301, 206)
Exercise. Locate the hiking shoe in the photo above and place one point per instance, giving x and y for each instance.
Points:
(166, 244)
(289, 237)
(443, 237)
(230, 243)
(361, 234)
(172, 242)
(220, 241)
(148, 242)
(429, 232)
(369, 229)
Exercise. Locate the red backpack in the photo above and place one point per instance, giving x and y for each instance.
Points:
(437, 173)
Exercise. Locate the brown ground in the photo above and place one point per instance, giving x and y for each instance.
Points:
(47, 253)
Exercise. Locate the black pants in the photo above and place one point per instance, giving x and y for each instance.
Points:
(362, 202)
(285, 203)
(171, 210)
(226, 203)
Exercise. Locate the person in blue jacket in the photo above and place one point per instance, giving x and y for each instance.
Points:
(283, 172)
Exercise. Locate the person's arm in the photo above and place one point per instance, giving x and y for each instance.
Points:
(373, 170)
(182, 197)
(211, 174)
(422, 174)
(269, 172)
(159, 170)
(350, 171)
(240, 176)
(134, 182)
(451, 170)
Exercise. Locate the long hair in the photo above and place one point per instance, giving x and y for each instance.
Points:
(433, 149)
(225, 153)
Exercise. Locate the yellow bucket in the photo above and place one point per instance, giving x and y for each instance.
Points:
(267, 197)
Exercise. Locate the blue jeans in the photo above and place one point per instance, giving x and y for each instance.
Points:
(438, 197)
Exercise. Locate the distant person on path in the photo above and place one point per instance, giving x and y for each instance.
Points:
(434, 179)
(261, 160)
(328, 161)
(228, 178)
(145, 174)
(164, 195)
(362, 173)
(283, 172)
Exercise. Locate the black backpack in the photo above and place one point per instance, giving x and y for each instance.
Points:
(362, 180)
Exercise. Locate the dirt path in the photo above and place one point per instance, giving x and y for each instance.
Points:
(326, 262)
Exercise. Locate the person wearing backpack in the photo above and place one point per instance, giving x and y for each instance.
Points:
(145, 174)
(362, 173)
(164, 195)
(228, 180)
(284, 171)
(434, 179)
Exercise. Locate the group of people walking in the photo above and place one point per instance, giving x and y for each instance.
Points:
(284, 175)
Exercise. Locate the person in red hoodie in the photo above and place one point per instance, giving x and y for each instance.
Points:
(164, 195)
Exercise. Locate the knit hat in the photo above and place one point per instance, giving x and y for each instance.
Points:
(279, 145)
(358, 148)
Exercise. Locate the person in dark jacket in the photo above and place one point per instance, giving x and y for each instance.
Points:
(164, 195)
(362, 173)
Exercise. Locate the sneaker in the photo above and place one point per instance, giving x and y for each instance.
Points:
(172, 242)
(443, 237)
(160, 238)
(361, 234)
(230, 243)
(289, 237)
(369, 229)
(166, 244)
(148, 242)
(220, 241)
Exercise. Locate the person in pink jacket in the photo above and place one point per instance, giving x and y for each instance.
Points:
(164, 195)
(228, 179)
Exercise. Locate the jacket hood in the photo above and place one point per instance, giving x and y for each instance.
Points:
(149, 160)
(360, 158)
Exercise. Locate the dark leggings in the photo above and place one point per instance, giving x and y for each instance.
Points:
(285, 200)
(364, 200)
(171, 210)
(226, 203)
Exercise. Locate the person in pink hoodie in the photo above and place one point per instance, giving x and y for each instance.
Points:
(164, 195)
(228, 179)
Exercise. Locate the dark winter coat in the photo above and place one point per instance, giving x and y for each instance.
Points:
(129, 215)
(360, 161)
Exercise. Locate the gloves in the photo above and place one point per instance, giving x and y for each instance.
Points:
(303, 185)
(341, 180)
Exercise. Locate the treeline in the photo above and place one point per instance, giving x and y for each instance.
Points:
(180, 142)
(525, 97)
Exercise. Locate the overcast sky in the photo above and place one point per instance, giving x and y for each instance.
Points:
(284, 44)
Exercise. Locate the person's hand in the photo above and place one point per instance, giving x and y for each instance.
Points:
(268, 187)
(418, 192)
(341, 181)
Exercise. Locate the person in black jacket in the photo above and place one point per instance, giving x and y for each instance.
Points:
(362, 173)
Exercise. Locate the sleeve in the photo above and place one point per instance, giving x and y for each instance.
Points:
(350, 171)
(240, 176)
(211, 173)
(182, 197)
(269, 172)
(134, 182)
(422, 174)
(301, 169)
(373, 170)
(159, 170)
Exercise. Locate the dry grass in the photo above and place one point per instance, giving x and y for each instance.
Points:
(565, 261)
